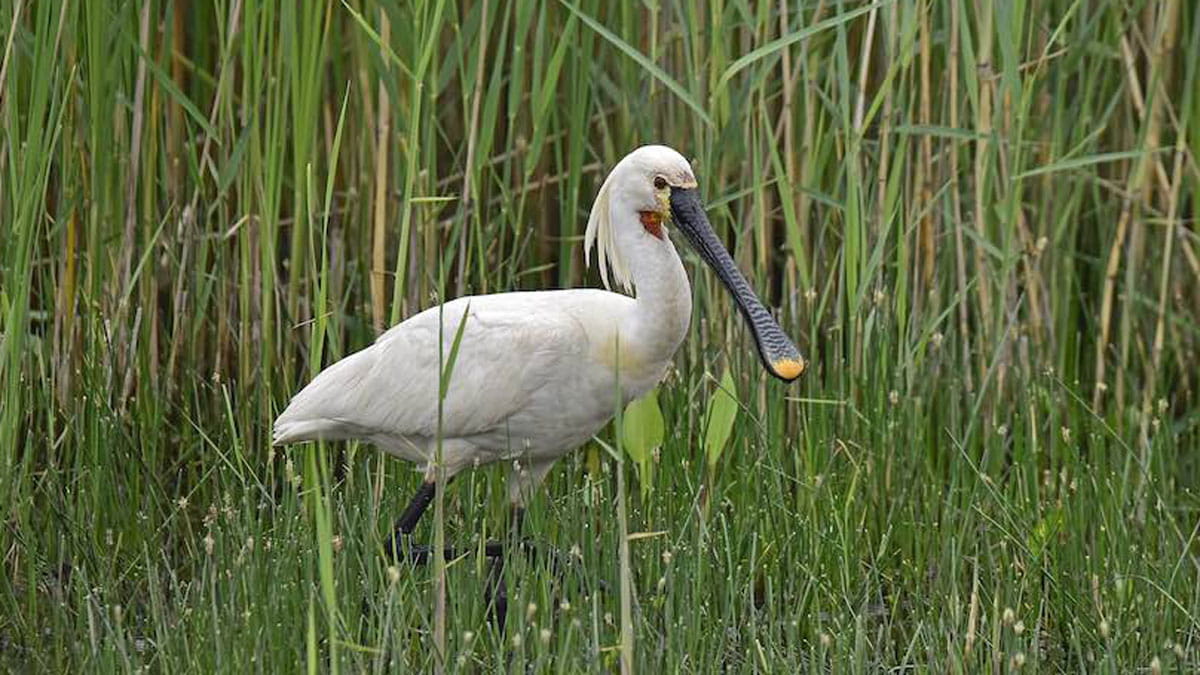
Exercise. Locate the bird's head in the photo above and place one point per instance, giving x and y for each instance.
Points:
(643, 182)
(654, 185)
(637, 190)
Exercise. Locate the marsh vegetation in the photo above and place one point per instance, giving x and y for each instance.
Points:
(977, 219)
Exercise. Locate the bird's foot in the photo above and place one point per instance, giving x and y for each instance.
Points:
(402, 548)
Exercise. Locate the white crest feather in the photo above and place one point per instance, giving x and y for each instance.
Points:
(601, 235)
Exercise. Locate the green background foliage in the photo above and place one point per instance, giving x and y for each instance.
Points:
(978, 219)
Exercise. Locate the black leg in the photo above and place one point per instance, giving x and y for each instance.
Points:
(401, 547)
(408, 522)
(416, 508)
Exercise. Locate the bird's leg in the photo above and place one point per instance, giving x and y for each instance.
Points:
(400, 543)
(416, 508)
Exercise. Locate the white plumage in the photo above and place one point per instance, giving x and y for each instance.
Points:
(536, 374)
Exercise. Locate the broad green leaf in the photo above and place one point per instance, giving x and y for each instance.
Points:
(642, 432)
(718, 419)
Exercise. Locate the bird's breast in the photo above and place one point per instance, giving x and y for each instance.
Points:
(630, 360)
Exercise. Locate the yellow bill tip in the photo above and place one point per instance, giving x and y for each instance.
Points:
(789, 369)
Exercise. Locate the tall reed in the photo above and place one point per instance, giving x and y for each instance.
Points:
(978, 218)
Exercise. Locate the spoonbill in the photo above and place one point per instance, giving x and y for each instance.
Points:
(536, 374)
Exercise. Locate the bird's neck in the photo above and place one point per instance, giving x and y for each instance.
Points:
(663, 309)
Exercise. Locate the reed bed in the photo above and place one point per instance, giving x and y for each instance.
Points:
(977, 218)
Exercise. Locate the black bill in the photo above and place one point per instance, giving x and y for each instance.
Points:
(779, 355)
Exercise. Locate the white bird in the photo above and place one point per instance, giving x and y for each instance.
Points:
(536, 374)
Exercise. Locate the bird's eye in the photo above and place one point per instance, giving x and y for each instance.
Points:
(660, 183)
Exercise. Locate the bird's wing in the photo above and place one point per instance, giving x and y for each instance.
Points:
(511, 344)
